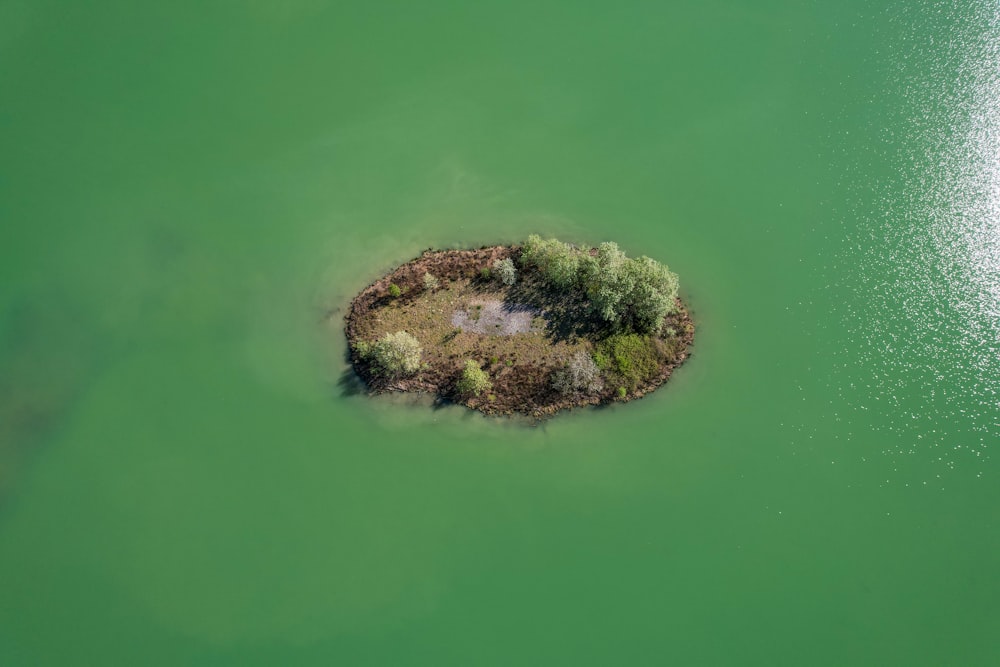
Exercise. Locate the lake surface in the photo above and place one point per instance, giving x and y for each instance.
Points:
(190, 194)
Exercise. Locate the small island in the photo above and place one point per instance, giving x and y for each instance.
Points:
(533, 328)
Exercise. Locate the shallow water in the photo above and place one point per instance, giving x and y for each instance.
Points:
(190, 194)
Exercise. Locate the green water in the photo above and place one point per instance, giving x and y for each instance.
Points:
(188, 190)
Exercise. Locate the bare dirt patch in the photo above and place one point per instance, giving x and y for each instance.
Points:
(494, 317)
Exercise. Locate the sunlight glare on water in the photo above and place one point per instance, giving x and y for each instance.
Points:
(929, 251)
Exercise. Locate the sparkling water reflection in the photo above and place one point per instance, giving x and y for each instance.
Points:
(929, 283)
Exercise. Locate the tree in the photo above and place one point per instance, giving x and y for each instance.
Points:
(558, 262)
(606, 280)
(474, 380)
(393, 354)
(652, 296)
(635, 293)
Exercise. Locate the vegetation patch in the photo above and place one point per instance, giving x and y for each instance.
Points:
(629, 359)
(532, 328)
(474, 381)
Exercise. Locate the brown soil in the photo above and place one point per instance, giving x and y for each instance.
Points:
(518, 334)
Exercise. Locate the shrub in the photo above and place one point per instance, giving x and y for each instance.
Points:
(668, 350)
(394, 290)
(474, 380)
(621, 393)
(505, 271)
(580, 375)
(430, 282)
(485, 273)
(633, 357)
(393, 354)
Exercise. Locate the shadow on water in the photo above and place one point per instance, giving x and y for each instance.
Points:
(350, 383)
(48, 353)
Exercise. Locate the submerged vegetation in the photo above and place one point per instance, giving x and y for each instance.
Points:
(531, 328)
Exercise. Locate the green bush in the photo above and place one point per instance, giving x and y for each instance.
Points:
(394, 290)
(506, 271)
(653, 295)
(557, 261)
(580, 375)
(635, 294)
(474, 380)
(393, 354)
(485, 273)
(633, 357)
(622, 393)
(430, 282)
